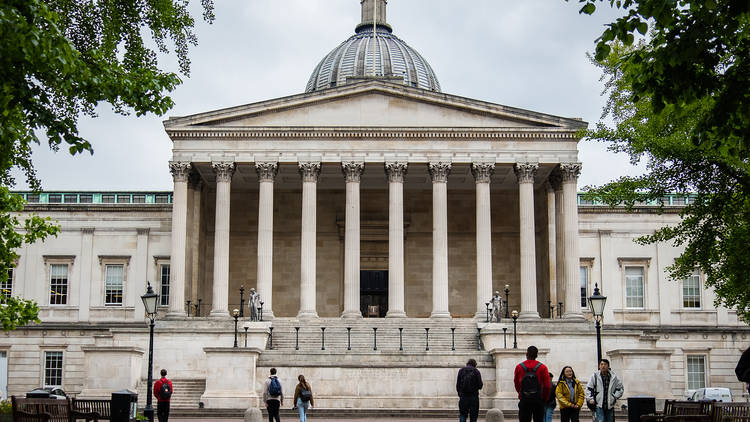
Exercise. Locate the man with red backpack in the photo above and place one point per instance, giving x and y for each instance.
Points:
(163, 393)
(531, 379)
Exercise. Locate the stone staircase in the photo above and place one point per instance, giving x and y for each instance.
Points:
(362, 338)
(187, 393)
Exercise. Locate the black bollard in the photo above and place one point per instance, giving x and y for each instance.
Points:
(296, 339)
(487, 305)
(260, 312)
(348, 338)
(271, 337)
(505, 331)
(323, 338)
(374, 338)
(188, 308)
(479, 339)
(427, 339)
(400, 338)
(198, 308)
(242, 301)
(245, 336)
(453, 338)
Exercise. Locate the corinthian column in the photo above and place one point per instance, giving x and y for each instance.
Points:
(310, 172)
(555, 181)
(439, 173)
(525, 173)
(352, 173)
(396, 173)
(482, 174)
(266, 174)
(570, 172)
(220, 304)
(180, 171)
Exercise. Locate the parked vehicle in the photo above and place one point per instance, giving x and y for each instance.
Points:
(712, 393)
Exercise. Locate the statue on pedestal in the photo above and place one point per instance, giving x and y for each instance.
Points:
(254, 304)
(496, 309)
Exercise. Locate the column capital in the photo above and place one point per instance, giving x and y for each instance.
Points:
(309, 170)
(267, 171)
(439, 171)
(179, 170)
(224, 170)
(396, 171)
(482, 172)
(525, 172)
(570, 172)
(352, 170)
(555, 179)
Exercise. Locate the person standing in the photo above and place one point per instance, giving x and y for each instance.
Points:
(549, 406)
(273, 396)
(603, 390)
(163, 392)
(303, 398)
(531, 379)
(468, 384)
(569, 393)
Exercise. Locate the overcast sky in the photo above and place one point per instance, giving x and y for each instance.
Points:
(529, 54)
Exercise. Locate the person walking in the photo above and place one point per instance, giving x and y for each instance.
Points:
(468, 384)
(163, 390)
(603, 390)
(531, 379)
(569, 393)
(273, 396)
(549, 406)
(303, 398)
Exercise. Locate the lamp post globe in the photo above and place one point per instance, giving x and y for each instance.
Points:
(596, 305)
(150, 300)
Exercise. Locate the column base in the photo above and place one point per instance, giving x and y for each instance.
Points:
(175, 315)
(218, 314)
(395, 314)
(440, 315)
(307, 315)
(527, 315)
(351, 315)
(573, 316)
(268, 316)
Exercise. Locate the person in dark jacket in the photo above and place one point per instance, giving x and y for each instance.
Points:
(162, 402)
(468, 384)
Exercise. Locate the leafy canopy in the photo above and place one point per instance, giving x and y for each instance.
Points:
(59, 59)
(680, 100)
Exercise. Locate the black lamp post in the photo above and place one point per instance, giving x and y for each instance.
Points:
(242, 301)
(245, 336)
(514, 315)
(188, 308)
(150, 300)
(236, 315)
(507, 293)
(596, 304)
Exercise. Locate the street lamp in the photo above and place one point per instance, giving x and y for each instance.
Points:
(149, 303)
(507, 292)
(236, 315)
(514, 315)
(596, 304)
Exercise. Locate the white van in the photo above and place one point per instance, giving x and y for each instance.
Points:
(712, 393)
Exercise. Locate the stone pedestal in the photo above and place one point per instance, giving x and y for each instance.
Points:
(102, 377)
(230, 377)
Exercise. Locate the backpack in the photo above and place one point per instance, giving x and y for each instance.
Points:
(530, 384)
(305, 395)
(165, 392)
(468, 385)
(274, 388)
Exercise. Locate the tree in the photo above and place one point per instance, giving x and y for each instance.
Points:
(680, 101)
(58, 60)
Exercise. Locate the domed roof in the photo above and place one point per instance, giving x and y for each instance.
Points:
(354, 57)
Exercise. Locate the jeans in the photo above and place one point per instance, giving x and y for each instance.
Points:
(569, 414)
(530, 409)
(468, 406)
(602, 416)
(162, 411)
(302, 408)
(273, 410)
(548, 412)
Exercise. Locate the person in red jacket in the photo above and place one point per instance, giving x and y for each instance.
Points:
(163, 393)
(531, 379)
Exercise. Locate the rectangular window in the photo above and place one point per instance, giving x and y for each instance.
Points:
(123, 199)
(691, 291)
(113, 284)
(696, 371)
(53, 369)
(32, 197)
(139, 199)
(71, 198)
(164, 290)
(58, 283)
(6, 289)
(55, 198)
(161, 199)
(584, 286)
(634, 286)
(108, 199)
(86, 198)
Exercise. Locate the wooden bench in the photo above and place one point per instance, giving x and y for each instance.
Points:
(720, 412)
(47, 410)
(678, 408)
(101, 407)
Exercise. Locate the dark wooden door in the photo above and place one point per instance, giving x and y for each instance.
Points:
(373, 291)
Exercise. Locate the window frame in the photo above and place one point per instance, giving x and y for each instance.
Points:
(626, 263)
(45, 369)
(106, 261)
(704, 357)
(588, 265)
(49, 261)
(699, 275)
(159, 262)
(6, 289)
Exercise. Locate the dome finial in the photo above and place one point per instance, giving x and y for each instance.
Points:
(374, 10)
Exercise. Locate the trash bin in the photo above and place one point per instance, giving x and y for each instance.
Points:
(124, 405)
(640, 405)
(38, 394)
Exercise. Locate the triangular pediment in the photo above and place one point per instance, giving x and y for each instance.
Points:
(373, 103)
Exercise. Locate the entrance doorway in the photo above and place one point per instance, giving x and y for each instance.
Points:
(373, 293)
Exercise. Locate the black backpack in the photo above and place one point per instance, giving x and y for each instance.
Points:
(468, 384)
(305, 395)
(530, 384)
(165, 392)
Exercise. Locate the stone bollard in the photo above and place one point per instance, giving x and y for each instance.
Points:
(253, 415)
(493, 415)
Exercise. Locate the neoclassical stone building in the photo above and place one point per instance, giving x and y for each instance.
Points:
(375, 215)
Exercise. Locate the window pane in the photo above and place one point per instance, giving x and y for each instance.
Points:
(32, 197)
(161, 199)
(53, 369)
(691, 294)
(71, 198)
(123, 199)
(139, 199)
(164, 293)
(634, 287)
(55, 198)
(696, 371)
(584, 285)
(113, 285)
(6, 289)
(86, 199)
(108, 199)
(58, 284)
